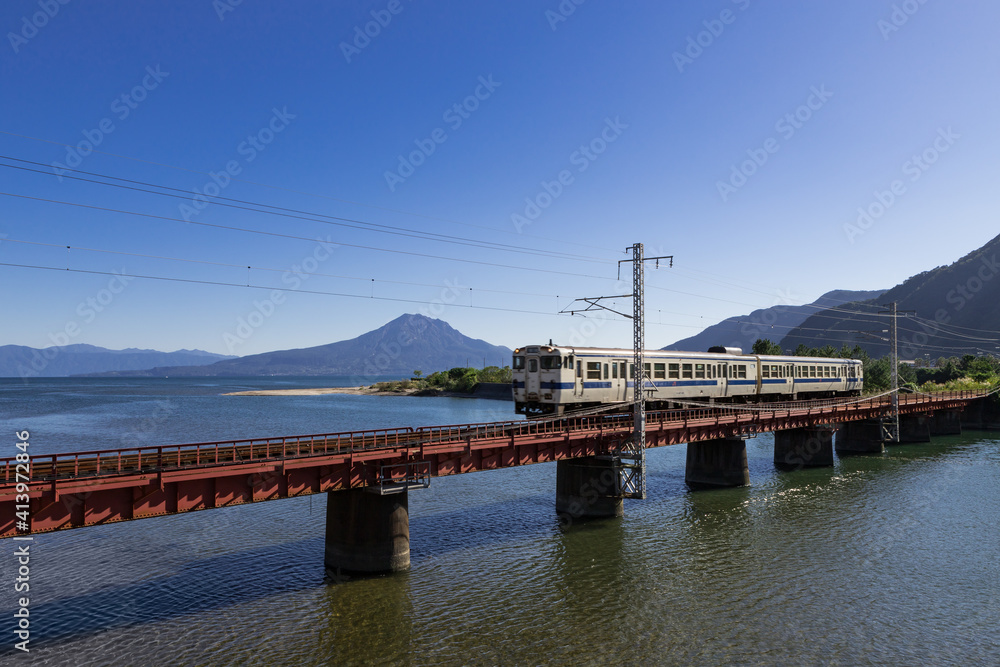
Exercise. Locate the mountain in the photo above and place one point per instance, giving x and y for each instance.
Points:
(408, 343)
(957, 311)
(61, 361)
(772, 323)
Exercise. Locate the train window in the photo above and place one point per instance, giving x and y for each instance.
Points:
(593, 370)
(646, 371)
(551, 363)
(791, 371)
(699, 370)
(659, 371)
(631, 371)
(614, 370)
(742, 371)
(518, 363)
(826, 371)
(605, 371)
(712, 369)
(765, 372)
(774, 371)
(732, 371)
(579, 369)
(686, 371)
(674, 371)
(812, 371)
(569, 361)
(532, 365)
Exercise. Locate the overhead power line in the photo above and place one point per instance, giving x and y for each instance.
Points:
(309, 216)
(298, 238)
(311, 194)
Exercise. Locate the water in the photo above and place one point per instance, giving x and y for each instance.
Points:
(879, 560)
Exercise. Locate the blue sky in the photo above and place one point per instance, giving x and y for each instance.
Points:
(742, 137)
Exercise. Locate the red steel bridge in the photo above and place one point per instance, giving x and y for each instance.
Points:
(90, 488)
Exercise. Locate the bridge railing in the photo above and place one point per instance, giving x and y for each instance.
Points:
(191, 455)
(233, 452)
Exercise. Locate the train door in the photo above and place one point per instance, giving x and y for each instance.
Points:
(531, 383)
(724, 381)
(619, 379)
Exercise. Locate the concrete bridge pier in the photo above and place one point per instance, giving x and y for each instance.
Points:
(914, 428)
(946, 422)
(587, 488)
(366, 533)
(717, 463)
(860, 437)
(807, 447)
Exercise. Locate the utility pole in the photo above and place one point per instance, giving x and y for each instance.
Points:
(890, 427)
(630, 455)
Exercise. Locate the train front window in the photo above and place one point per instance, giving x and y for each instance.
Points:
(518, 363)
(551, 363)
(532, 365)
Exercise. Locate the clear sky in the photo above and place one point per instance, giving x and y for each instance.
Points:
(500, 155)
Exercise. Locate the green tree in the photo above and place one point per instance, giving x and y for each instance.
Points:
(468, 381)
(765, 346)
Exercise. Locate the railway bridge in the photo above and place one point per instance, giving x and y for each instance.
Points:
(368, 474)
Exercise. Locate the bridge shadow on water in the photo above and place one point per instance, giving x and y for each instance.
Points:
(238, 578)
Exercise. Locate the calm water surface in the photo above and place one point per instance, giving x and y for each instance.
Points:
(889, 560)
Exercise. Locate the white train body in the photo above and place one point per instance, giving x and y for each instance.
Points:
(552, 379)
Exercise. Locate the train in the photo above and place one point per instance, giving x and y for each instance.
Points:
(556, 379)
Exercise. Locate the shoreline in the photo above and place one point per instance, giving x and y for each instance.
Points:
(355, 391)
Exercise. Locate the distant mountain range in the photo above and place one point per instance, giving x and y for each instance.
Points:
(408, 343)
(62, 361)
(957, 311)
(772, 323)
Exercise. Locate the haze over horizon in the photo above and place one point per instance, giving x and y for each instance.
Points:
(483, 164)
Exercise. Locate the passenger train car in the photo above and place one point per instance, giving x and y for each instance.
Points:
(553, 379)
